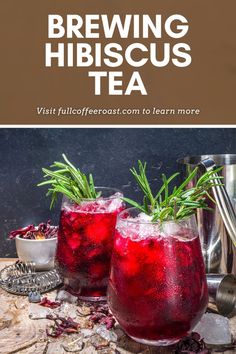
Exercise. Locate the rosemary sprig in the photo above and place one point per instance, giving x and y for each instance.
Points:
(178, 203)
(65, 178)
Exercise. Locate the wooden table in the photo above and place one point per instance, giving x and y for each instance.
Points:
(23, 335)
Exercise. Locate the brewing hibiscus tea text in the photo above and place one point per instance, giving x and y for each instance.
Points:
(95, 54)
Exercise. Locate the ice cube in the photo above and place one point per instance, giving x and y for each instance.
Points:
(115, 203)
(73, 345)
(214, 329)
(139, 228)
(37, 312)
(98, 232)
(103, 205)
(98, 342)
(109, 335)
(74, 241)
(64, 295)
(148, 230)
(144, 217)
(170, 228)
(87, 332)
(66, 310)
(181, 232)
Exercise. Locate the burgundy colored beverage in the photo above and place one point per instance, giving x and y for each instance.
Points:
(85, 242)
(157, 289)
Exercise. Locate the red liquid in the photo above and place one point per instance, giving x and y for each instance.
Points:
(85, 242)
(157, 289)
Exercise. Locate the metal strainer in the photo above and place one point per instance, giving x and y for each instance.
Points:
(21, 278)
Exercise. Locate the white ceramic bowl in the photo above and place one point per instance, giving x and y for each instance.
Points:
(41, 252)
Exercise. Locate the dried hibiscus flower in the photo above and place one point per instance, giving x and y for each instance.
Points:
(48, 303)
(61, 325)
(101, 314)
(192, 344)
(32, 232)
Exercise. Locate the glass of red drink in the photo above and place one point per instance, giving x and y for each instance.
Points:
(157, 288)
(85, 242)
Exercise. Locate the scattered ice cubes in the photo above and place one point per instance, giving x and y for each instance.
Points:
(73, 345)
(66, 310)
(64, 295)
(87, 332)
(98, 342)
(37, 312)
(109, 335)
(214, 329)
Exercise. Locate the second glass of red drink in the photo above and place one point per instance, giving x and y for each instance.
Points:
(157, 288)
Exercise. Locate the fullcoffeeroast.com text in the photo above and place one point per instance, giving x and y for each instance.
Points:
(88, 111)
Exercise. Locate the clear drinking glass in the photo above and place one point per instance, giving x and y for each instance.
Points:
(157, 288)
(85, 242)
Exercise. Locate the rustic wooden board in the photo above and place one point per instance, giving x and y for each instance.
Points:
(20, 334)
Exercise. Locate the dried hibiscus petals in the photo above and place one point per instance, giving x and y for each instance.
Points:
(192, 344)
(61, 325)
(101, 314)
(32, 232)
(48, 303)
(21, 232)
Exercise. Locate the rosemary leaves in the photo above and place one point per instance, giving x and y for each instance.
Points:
(65, 178)
(175, 204)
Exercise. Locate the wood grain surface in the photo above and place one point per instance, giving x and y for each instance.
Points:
(21, 334)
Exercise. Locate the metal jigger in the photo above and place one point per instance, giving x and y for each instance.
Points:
(222, 292)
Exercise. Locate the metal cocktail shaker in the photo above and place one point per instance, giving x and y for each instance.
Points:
(222, 292)
(217, 227)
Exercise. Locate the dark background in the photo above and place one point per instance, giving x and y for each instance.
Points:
(105, 152)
